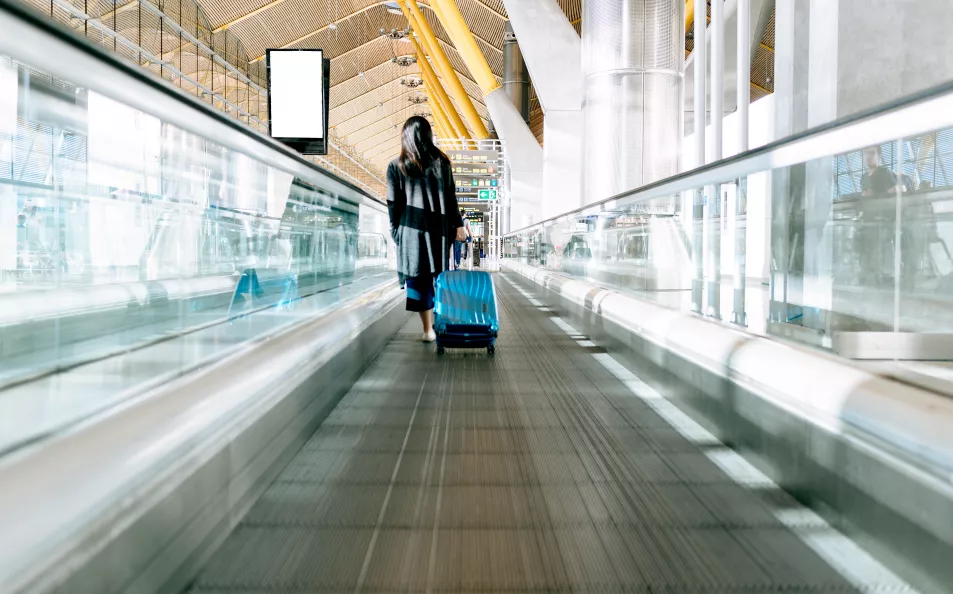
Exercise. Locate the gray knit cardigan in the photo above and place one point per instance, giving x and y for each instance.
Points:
(424, 217)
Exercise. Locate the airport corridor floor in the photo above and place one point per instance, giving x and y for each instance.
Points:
(540, 469)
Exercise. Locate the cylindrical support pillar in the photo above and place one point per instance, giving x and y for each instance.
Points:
(717, 76)
(743, 92)
(715, 215)
(743, 89)
(699, 119)
(631, 104)
(515, 74)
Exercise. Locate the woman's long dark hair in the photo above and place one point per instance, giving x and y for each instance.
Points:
(417, 150)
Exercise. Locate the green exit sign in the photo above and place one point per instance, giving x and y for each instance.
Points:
(486, 194)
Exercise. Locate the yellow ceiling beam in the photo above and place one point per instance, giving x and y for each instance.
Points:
(428, 39)
(422, 28)
(453, 123)
(440, 126)
(431, 80)
(441, 117)
(463, 40)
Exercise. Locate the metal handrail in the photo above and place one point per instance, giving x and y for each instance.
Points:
(915, 114)
(28, 37)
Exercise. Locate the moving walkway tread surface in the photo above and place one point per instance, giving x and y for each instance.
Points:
(535, 470)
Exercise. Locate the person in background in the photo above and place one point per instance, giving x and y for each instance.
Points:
(458, 246)
(879, 186)
(877, 181)
(424, 216)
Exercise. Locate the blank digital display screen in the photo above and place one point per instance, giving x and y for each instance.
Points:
(297, 94)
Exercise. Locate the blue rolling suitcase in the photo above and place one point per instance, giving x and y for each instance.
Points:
(465, 311)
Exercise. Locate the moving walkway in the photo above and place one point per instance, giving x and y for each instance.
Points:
(231, 440)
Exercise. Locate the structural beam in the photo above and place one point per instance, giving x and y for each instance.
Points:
(714, 210)
(454, 121)
(525, 154)
(421, 26)
(544, 40)
(440, 117)
(700, 21)
(463, 40)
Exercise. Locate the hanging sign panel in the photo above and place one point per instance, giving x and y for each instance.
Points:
(298, 97)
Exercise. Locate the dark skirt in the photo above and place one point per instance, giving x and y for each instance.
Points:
(420, 293)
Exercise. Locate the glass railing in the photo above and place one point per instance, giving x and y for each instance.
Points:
(838, 238)
(132, 216)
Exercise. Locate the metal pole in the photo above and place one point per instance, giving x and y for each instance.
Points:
(743, 98)
(515, 74)
(743, 87)
(701, 17)
(717, 75)
(715, 212)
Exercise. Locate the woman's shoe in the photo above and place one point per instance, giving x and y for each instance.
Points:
(429, 336)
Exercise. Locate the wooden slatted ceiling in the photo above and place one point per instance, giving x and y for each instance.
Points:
(762, 68)
(359, 103)
(355, 45)
(364, 108)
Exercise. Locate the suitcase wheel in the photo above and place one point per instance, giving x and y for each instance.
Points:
(441, 350)
(491, 349)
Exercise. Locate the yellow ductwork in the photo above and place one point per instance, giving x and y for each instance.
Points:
(422, 27)
(463, 40)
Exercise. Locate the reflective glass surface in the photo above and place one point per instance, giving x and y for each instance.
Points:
(120, 231)
(848, 252)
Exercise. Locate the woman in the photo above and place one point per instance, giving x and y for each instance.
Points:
(458, 251)
(424, 216)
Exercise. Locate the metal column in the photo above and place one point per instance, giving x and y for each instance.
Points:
(715, 211)
(738, 315)
(699, 118)
(631, 109)
(515, 74)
